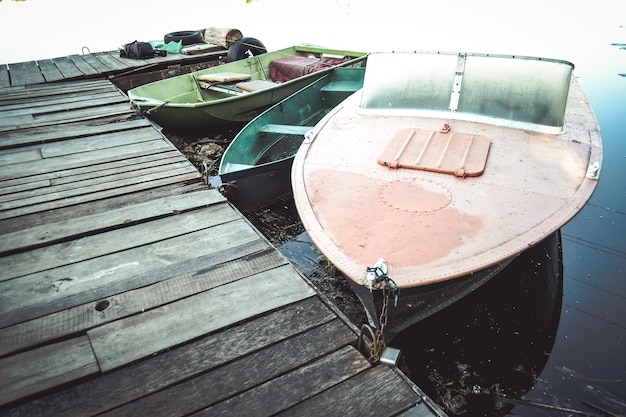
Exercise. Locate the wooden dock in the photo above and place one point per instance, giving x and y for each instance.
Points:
(96, 65)
(128, 287)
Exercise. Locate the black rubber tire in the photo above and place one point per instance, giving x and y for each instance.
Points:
(244, 46)
(189, 37)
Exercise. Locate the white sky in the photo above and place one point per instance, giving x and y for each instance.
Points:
(38, 29)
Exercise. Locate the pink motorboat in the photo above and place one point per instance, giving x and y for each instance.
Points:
(442, 169)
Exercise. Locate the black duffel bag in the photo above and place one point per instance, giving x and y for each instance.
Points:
(140, 50)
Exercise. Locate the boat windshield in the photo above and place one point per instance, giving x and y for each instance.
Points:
(520, 89)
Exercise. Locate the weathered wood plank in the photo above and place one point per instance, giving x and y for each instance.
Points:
(86, 316)
(83, 66)
(90, 173)
(377, 391)
(90, 113)
(67, 67)
(153, 374)
(101, 222)
(157, 161)
(92, 246)
(290, 389)
(23, 73)
(18, 94)
(78, 146)
(35, 371)
(35, 184)
(46, 292)
(20, 156)
(65, 131)
(98, 206)
(123, 341)
(86, 159)
(5, 80)
(68, 191)
(110, 61)
(248, 372)
(97, 64)
(77, 186)
(67, 103)
(108, 193)
(49, 70)
(60, 103)
(99, 142)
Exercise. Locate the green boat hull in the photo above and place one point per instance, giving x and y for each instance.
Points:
(180, 103)
(256, 167)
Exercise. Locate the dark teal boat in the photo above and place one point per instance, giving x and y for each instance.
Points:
(256, 167)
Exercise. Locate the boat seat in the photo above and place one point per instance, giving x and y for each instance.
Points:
(255, 85)
(342, 86)
(223, 77)
(285, 129)
(222, 82)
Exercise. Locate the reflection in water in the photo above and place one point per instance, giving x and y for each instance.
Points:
(500, 336)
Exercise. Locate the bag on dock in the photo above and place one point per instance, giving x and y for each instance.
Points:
(140, 50)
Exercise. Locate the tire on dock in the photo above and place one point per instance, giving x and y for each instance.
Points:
(188, 37)
(244, 48)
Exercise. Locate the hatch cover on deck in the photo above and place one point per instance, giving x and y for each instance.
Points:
(459, 154)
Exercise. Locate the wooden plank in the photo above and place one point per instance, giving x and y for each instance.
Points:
(64, 192)
(92, 171)
(108, 193)
(378, 391)
(98, 223)
(23, 73)
(86, 159)
(40, 91)
(78, 146)
(97, 64)
(83, 66)
(76, 187)
(288, 390)
(20, 122)
(65, 131)
(5, 79)
(48, 292)
(98, 206)
(89, 315)
(99, 142)
(20, 157)
(121, 386)
(156, 161)
(251, 371)
(90, 246)
(67, 67)
(108, 59)
(35, 371)
(61, 103)
(35, 184)
(67, 103)
(49, 70)
(123, 341)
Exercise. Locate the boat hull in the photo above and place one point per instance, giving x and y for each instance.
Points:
(256, 167)
(181, 103)
(441, 183)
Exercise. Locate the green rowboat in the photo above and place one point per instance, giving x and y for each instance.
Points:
(255, 168)
(237, 91)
